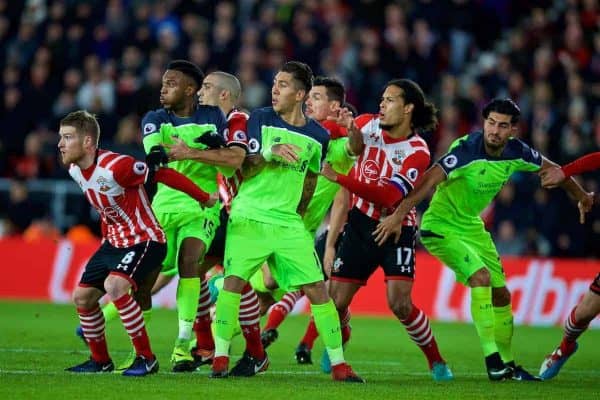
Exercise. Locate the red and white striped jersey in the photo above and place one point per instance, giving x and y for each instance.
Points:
(388, 160)
(114, 186)
(235, 135)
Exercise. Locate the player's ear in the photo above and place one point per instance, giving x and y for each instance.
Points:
(408, 108)
(301, 95)
(334, 105)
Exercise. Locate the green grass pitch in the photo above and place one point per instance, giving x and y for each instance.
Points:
(37, 342)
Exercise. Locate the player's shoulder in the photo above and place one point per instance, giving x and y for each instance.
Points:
(153, 119)
(158, 114)
(206, 113)
(110, 159)
(264, 112)
(469, 143)
(364, 120)
(237, 114)
(335, 130)
(516, 148)
(316, 130)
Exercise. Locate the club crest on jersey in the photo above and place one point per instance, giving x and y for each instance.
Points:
(103, 184)
(450, 161)
(239, 136)
(398, 156)
(149, 128)
(370, 170)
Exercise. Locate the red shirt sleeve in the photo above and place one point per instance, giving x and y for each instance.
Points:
(386, 195)
(335, 131)
(237, 130)
(129, 172)
(180, 182)
(583, 164)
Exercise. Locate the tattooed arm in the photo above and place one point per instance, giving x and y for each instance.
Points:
(310, 183)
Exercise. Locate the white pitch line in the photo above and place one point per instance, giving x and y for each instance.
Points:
(289, 372)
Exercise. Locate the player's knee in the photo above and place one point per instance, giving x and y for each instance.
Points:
(189, 267)
(480, 278)
(83, 299)
(116, 286)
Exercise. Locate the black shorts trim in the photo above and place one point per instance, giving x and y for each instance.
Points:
(133, 263)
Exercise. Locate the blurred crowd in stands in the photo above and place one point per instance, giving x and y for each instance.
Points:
(108, 57)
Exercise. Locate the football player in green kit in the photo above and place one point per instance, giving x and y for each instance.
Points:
(467, 179)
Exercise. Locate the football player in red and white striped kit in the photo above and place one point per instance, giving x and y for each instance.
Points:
(392, 157)
(584, 312)
(133, 242)
(223, 90)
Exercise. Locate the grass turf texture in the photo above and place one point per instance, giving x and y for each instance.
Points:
(37, 342)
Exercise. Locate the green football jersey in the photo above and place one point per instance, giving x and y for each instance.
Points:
(473, 180)
(341, 161)
(273, 194)
(159, 127)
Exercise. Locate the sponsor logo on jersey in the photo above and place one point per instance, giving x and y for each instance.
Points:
(139, 168)
(149, 128)
(370, 170)
(450, 161)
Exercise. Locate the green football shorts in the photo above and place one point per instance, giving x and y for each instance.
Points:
(250, 243)
(465, 253)
(201, 224)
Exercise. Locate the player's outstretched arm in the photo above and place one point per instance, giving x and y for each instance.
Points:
(386, 195)
(345, 119)
(392, 224)
(585, 200)
(180, 182)
(232, 156)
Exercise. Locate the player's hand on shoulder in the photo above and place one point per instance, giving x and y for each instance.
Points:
(288, 152)
(328, 172)
(212, 200)
(177, 150)
(551, 177)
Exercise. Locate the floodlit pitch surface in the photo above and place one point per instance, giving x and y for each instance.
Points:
(37, 342)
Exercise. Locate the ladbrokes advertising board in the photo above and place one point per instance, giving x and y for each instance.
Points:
(543, 290)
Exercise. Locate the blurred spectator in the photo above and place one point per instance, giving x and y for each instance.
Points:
(21, 209)
(109, 57)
